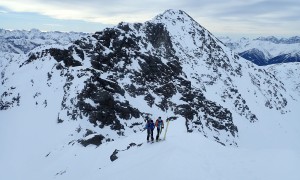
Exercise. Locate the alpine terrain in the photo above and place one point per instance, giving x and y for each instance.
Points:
(20, 42)
(78, 110)
(266, 50)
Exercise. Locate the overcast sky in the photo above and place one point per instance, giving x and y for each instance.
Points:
(221, 17)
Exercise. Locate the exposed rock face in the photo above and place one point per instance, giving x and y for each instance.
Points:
(171, 64)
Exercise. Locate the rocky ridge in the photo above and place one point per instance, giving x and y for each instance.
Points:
(116, 78)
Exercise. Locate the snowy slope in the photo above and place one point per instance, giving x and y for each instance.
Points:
(194, 158)
(69, 110)
(289, 74)
(182, 156)
(265, 50)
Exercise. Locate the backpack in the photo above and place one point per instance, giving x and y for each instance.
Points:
(159, 123)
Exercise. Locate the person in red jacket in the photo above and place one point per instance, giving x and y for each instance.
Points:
(159, 124)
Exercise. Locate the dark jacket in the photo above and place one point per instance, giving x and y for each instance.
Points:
(150, 125)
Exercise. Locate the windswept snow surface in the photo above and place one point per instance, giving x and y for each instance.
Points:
(186, 156)
(266, 151)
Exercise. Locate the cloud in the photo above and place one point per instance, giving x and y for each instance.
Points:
(53, 25)
(109, 12)
(3, 12)
(272, 9)
(217, 15)
(131, 10)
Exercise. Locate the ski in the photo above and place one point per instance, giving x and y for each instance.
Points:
(166, 130)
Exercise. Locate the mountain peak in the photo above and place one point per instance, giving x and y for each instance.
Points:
(173, 15)
(179, 24)
(174, 12)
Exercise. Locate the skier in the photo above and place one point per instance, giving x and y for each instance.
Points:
(159, 123)
(150, 127)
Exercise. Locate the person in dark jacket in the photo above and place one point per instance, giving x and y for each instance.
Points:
(159, 123)
(150, 127)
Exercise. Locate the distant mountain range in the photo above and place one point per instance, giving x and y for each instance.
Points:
(266, 50)
(261, 51)
(22, 41)
(273, 39)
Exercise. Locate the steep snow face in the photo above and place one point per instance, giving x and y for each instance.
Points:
(18, 41)
(266, 50)
(289, 74)
(197, 48)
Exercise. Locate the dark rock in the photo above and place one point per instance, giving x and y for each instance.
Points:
(88, 132)
(65, 56)
(114, 156)
(95, 140)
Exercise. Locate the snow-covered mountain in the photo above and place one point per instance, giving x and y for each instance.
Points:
(291, 40)
(289, 74)
(78, 110)
(21, 41)
(266, 50)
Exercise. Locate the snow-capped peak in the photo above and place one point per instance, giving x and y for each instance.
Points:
(173, 15)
